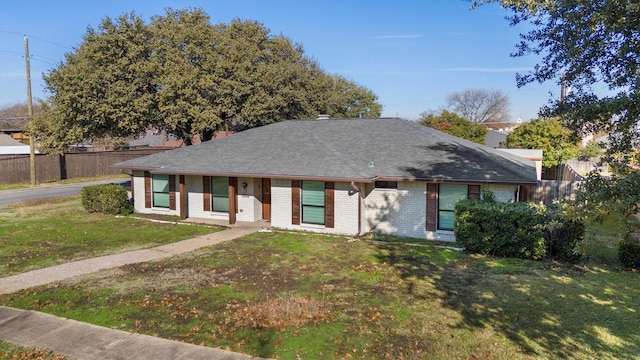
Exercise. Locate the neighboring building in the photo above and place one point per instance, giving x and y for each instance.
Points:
(495, 139)
(339, 176)
(9, 146)
(534, 155)
(14, 128)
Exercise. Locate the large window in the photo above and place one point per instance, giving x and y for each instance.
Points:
(160, 191)
(220, 194)
(448, 195)
(313, 202)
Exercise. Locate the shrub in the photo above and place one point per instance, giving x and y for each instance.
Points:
(629, 252)
(521, 230)
(501, 229)
(108, 199)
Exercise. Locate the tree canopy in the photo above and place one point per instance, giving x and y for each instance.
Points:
(182, 74)
(455, 125)
(480, 105)
(586, 45)
(548, 135)
(583, 44)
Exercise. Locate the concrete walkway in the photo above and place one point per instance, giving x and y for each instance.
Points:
(79, 340)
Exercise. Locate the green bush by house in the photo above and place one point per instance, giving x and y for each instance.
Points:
(521, 230)
(108, 199)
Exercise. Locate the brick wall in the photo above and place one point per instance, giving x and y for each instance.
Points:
(345, 207)
(400, 212)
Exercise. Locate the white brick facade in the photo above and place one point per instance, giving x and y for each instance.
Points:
(400, 212)
(345, 209)
(249, 204)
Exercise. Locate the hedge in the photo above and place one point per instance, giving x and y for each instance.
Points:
(521, 230)
(108, 199)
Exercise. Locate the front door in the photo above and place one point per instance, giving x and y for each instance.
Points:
(266, 199)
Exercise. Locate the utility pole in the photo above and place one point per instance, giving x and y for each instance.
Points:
(32, 145)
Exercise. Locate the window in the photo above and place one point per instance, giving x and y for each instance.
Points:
(160, 191)
(313, 202)
(220, 194)
(448, 195)
(386, 184)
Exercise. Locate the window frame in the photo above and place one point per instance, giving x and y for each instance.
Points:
(447, 211)
(155, 179)
(217, 196)
(311, 205)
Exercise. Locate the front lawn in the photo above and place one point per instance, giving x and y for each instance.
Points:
(10, 351)
(284, 295)
(41, 234)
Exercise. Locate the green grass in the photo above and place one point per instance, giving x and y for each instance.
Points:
(41, 234)
(385, 300)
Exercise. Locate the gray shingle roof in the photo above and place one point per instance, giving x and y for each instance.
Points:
(354, 149)
(6, 140)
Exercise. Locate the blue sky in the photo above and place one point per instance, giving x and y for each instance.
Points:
(412, 54)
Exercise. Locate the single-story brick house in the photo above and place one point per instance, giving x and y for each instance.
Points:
(339, 176)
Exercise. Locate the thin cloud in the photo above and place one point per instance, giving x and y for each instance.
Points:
(402, 36)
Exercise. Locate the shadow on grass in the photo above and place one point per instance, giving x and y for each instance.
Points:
(547, 309)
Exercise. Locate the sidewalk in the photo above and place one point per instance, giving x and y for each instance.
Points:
(65, 271)
(78, 340)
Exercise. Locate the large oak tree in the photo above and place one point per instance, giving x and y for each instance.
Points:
(187, 76)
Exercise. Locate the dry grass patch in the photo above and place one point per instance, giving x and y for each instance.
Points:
(19, 353)
(280, 313)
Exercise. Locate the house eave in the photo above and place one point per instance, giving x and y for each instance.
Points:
(459, 181)
(156, 170)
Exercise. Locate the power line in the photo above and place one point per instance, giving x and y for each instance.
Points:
(11, 52)
(39, 38)
(51, 42)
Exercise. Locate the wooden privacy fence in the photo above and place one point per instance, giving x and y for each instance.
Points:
(15, 168)
(549, 190)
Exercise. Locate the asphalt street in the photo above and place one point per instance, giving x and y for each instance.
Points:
(49, 191)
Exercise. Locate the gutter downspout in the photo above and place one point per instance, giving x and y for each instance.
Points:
(357, 190)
